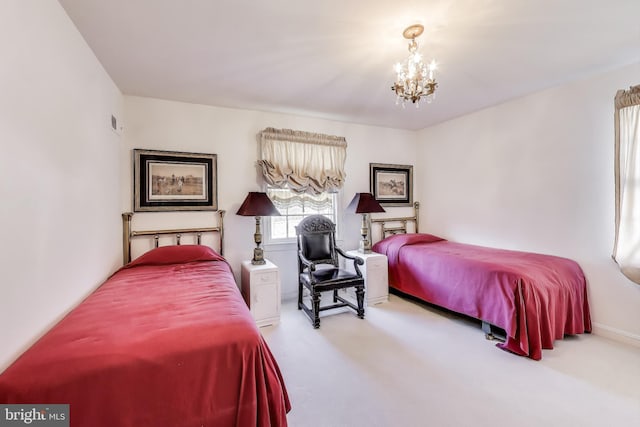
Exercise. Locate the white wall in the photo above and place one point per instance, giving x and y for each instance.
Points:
(536, 174)
(59, 171)
(231, 134)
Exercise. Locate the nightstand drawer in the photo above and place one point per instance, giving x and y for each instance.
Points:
(377, 263)
(267, 277)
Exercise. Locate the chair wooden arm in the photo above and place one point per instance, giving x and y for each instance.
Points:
(356, 260)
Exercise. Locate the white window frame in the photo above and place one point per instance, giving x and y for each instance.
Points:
(337, 212)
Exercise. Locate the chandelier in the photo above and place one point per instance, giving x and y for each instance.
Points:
(414, 80)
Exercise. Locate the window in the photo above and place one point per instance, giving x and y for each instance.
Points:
(626, 249)
(294, 207)
(304, 172)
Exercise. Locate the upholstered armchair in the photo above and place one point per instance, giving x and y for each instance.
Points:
(319, 268)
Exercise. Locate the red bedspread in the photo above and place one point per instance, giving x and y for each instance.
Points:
(535, 298)
(158, 344)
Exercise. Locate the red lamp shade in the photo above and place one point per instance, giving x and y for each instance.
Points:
(364, 203)
(257, 204)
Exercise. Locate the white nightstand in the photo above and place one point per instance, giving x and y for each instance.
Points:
(261, 291)
(376, 276)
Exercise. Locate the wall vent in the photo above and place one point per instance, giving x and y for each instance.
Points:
(115, 126)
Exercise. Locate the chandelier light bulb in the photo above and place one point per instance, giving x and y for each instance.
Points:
(432, 67)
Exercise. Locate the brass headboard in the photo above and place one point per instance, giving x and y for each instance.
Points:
(399, 224)
(128, 234)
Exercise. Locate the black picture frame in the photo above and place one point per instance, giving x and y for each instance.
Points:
(391, 185)
(174, 181)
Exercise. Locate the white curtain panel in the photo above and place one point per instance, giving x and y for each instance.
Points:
(302, 161)
(626, 250)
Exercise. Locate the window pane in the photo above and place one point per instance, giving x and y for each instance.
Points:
(278, 227)
(293, 221)
(294, 207)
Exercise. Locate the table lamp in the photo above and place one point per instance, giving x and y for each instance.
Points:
(258, 205)
(364, 203)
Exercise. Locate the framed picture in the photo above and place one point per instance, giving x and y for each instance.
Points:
(174, 181)
(391, 185)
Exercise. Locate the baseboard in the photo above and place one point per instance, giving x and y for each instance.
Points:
(616, 334)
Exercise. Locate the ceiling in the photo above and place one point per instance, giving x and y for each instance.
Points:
(334, 59)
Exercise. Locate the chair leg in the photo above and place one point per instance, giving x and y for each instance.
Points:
(315, 297)
(299, 295)
(335, 296)
(360, 298)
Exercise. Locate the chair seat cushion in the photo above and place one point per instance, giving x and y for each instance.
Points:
(330, 276)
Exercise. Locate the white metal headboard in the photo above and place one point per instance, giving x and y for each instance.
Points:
(128, 234)
(397, 225)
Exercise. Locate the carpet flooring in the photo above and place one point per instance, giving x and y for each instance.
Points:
(407, 364)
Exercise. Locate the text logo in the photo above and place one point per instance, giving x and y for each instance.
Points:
(34, 415)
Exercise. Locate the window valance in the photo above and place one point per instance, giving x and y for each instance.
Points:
(627, 98)
(305, 162)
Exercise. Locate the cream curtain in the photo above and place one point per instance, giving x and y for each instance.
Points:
(305, 162)
(626, 250)
(283, 200)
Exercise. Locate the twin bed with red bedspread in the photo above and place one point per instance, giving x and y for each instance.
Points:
(166, 341)
(535, 298)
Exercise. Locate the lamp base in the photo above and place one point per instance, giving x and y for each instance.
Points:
(258, 253)
(364, 247)
(258, 257)
(365, 243)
